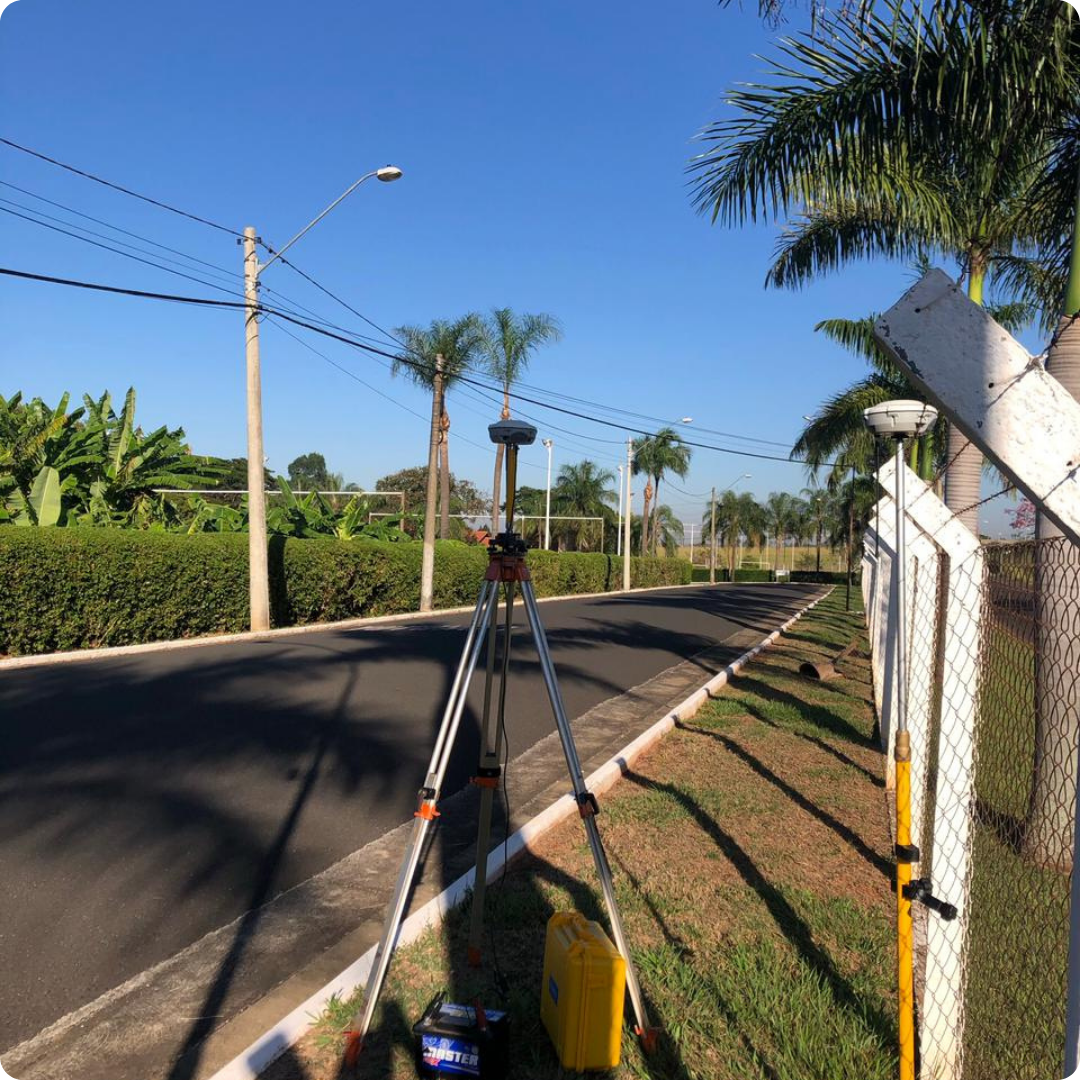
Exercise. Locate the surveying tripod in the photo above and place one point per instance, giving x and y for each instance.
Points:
(506, 570)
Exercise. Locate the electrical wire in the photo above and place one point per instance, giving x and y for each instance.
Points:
(119, 187)
(418, 366)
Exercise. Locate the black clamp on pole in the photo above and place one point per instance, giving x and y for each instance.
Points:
(919, 891)
(587, 804)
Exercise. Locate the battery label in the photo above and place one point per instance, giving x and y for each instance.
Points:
(452, 1057)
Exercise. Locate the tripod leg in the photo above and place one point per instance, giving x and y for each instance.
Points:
(588, 809)
(486, 606)
(488, 777)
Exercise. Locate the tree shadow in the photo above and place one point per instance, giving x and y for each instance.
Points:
(848, 835)
(786, 918)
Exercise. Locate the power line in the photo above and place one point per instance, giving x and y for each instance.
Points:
(119, 187)
(411, 363)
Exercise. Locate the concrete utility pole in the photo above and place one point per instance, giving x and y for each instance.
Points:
(618, 531)
(629, 515)
(548, 443)
(427, 565)
(712, 541)
(258, 570)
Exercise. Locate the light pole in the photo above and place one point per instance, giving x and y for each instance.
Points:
(548, 443)
(692, 526)
(259, 579)
(629, 514)
(622, 494)
(898, 420)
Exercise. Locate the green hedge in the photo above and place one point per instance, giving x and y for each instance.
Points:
(823, 577)
(701, 573)
(84, 588)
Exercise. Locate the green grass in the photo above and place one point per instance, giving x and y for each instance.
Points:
(750, 972)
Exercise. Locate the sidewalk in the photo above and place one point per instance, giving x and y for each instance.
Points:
(752, 861)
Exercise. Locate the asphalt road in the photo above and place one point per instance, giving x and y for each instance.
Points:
(147, 800)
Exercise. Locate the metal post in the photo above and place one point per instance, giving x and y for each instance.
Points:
(712, 541)
(547, 509)
(850, 539)
(629, 514)
(692, 545)
(258, 569)
(905, 946)
(427, 564)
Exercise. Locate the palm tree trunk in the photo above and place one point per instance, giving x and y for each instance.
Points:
(645, 518)
(654, 530)
(1048, 836)
(963, 473)
(444, 477)
(496, 483)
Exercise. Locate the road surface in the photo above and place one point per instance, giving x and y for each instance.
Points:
(150, 799)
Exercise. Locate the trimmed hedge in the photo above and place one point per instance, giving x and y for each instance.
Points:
(824, 577)
(86, 588)
(701, 573)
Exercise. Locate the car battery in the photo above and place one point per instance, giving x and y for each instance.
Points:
(581, 1000)
(460, 1040)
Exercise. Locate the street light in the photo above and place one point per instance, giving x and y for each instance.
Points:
(548, 443)
(622, 496)
(259, 582)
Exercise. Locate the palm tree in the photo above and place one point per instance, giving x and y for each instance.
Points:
(780, 510)
(434, 357)
(668, 529)
(583, 490)
(655, 456)
(736, 516)
(818, 509)
(922, 133)
(507, 344)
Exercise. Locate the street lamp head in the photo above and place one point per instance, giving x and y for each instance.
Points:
(548, 443)
(687, 420)
(388, 173)
(900, 419)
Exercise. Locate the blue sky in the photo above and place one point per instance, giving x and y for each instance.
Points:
(544, 149)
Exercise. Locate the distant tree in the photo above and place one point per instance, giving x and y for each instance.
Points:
(234, 475)
(465, 497)
(308, 472)
(582, 490)
(508, 341)
(1022, 518)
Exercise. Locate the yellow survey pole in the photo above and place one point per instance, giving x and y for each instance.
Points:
(904, 931)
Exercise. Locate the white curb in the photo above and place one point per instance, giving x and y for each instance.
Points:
(271, 1045)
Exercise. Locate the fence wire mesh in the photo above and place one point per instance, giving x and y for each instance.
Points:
(993, 657)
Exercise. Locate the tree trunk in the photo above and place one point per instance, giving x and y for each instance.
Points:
(963, 471)
(427, 570)
(654, 530)
(444, 475)
(645, 518)
(1048, 838)
(496, 483)
(495, 486)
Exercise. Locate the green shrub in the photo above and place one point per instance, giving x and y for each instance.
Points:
(79, 588)
(754, 575)
(822, 577)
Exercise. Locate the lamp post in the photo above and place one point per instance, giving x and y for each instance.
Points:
(548, 444)
(259, 584)
(628, 513)
(899, 420)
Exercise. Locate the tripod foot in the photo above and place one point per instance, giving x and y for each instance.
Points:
(353, 1045)
(650, 1037)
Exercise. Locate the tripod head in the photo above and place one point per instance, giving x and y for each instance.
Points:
(513, 434)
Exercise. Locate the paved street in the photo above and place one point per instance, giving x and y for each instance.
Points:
(146, 801)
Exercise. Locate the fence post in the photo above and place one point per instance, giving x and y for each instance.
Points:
(941, 1028)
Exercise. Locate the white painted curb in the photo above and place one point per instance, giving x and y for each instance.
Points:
(270, 1046)
(111, 652)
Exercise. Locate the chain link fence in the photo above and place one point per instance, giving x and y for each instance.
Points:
(994, 659)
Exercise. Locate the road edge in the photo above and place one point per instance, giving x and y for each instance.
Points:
(265, 1050)
(112, 652)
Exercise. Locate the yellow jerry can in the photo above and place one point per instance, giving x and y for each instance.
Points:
(581, 1001)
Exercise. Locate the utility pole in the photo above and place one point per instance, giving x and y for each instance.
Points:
(427, 565)
(692, 528)
(712, 542)
(850, 540)
(618, 531)
(548, 443)
(258, 572)
(626, 519)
